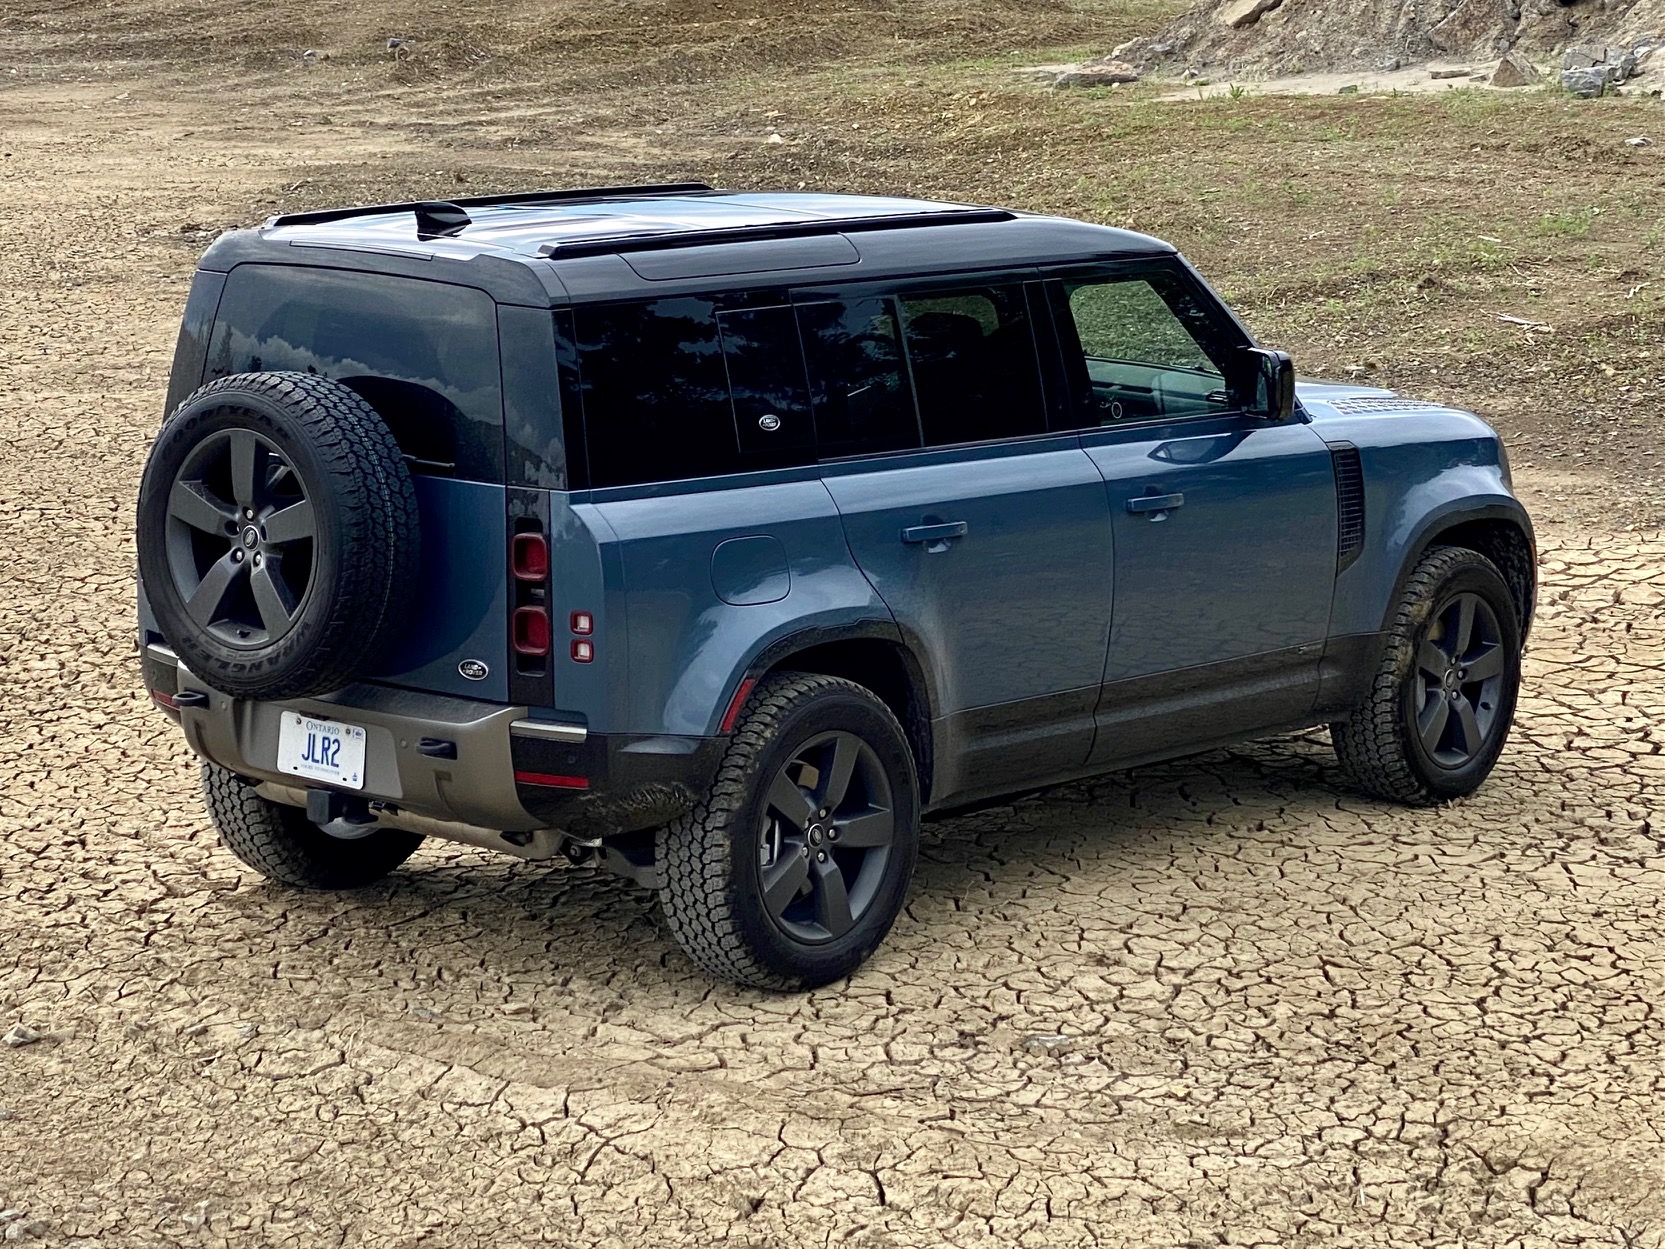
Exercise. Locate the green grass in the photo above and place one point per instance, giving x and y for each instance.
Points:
(1569, 223)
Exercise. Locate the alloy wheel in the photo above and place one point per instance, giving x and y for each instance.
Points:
(1459, 679)
(241, 538)
(827, 830)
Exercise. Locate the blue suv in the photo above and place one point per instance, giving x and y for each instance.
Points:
(715, 538)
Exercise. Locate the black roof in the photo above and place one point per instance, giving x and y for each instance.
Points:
(618, 242)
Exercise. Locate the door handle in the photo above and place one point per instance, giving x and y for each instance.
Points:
(1159, 505)
(935, 533)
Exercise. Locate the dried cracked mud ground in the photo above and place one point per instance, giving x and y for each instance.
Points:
(1223, 1001)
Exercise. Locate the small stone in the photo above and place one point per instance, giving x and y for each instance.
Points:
(1351, 88)
(21, 1034)
(7, 1115)
(1109, 74)
(1464, 72)
(1047, 1044)
(248, 1030)
(1514, 70)
(1640, 140)
(196, 1029)
(10, 1216)
(424, 1014)
(775, 138)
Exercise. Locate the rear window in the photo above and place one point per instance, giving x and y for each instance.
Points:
(424, 354)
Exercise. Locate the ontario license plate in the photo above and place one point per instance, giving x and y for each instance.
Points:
(321, 750)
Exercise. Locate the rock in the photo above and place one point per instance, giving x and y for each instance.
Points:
(1436, 74)
(1619, 62)
(1110, 74)
(1514, 70)
(11, 1216)
(1587, 83)
(1047, 1045)
(1351, 88)
(1241, 13)
(21, 1034)
(1470, 23)
(1640, 140)
(7, 1115)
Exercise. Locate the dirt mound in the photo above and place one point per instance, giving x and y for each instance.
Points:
(1283, 37)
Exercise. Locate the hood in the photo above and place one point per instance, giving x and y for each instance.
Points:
(1323, 399)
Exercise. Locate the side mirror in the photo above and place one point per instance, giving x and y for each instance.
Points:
(1271, 385)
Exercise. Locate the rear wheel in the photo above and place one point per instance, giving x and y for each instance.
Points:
(792, 871)
(1440, 706)
(280, 843)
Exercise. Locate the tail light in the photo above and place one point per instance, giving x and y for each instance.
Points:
(531, 628)
(529, 557)
(532, 634)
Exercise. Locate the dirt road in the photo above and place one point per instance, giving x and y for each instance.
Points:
(1222, 1001)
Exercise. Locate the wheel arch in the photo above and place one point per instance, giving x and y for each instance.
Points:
(1500, 531)
(873, 654)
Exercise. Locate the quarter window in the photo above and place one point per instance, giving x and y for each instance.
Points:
(974, 367)
(1141, 350)
(656, 404)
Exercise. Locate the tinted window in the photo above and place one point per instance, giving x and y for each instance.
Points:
(858, 382)
(1142, 350)
(423, 353)
(974, 367)
(656, 405)
(767, 385)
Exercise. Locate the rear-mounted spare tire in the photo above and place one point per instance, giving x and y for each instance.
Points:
(278, 534)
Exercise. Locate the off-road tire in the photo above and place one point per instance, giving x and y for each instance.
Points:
(1377, 743)
(711, 896)
(280, 843)
(365, 551)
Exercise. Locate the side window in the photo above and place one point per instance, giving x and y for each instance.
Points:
(858, 381)
(974, 365)
(767, 385)
(1141, 350)
(655, 393)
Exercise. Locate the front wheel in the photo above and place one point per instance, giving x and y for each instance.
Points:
(1440, 706)
(793, 869)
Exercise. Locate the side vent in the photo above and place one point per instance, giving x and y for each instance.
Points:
(1349, 504)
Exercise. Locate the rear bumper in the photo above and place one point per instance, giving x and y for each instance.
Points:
(455, 760)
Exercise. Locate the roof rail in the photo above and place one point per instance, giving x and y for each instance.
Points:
(663, 239)
(485, 201)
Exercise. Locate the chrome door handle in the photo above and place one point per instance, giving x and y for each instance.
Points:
(1159, 505)
(935, 533)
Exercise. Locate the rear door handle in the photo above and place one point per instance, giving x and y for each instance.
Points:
(935, 533)
(1159, 503)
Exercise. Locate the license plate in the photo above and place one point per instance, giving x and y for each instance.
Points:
(321, 750)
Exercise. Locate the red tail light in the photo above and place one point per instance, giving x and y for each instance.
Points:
(529, 557)
(532, 634)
